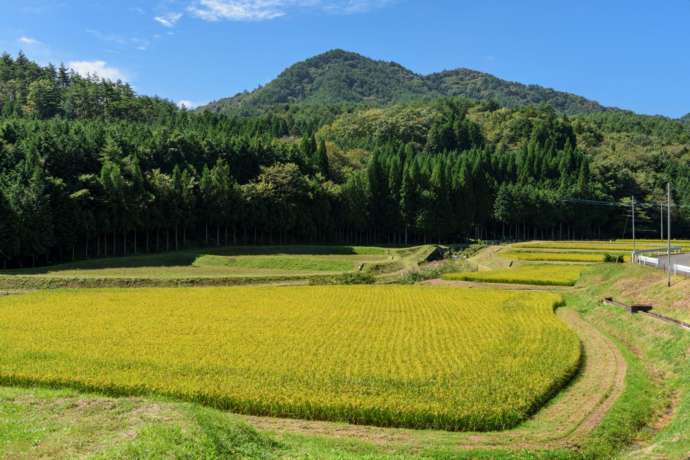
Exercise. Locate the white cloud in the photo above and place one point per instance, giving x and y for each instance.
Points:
(185, 104)
(99, 69)
(168, 19)
(24, 40)
(354, 6)
(262, 10)
(142, 44)
(238, 10)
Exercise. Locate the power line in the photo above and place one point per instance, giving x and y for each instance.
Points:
(619, 204)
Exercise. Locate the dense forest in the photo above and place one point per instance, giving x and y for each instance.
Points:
(90, 169)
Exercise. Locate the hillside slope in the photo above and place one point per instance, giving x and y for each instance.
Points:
(483, 86)
(334, 77)
(338, 77)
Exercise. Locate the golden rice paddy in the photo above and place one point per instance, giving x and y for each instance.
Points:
(407, 356)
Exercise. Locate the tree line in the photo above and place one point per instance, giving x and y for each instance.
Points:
(151, 177)
(94, 188)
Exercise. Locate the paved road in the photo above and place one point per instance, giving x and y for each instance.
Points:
(676, 259)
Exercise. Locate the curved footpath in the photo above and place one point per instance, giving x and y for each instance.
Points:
(563, 423)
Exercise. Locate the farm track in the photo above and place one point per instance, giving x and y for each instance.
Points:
(563, 423)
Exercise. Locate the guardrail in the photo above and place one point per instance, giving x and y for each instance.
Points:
(644, 260)
(660, 261)
(646, 310)
(661, 250)
(681, 270)
(644, 255)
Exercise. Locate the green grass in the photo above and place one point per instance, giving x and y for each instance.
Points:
(212, 267)
(233, 261)
(658, 373)
(221, 266)
(544, 275)
(281, 263)
(65, 424)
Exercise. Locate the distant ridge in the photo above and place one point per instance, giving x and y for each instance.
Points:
(339, 76)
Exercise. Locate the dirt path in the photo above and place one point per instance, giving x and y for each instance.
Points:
(562, 423)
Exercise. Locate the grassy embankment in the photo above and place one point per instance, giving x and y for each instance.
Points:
(222, 266)
(652, 418)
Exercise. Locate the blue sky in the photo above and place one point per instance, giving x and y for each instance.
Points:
(631, 54)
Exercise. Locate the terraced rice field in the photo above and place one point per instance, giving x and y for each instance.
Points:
(545, 275)
(218, 263)
(407, 356)
(545, 256)
(599, 246)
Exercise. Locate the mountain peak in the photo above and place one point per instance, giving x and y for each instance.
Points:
(340, 76)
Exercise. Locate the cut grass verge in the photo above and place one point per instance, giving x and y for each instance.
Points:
(654, 414)
(540, 275)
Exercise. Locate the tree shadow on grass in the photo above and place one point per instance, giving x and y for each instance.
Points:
(186, 258)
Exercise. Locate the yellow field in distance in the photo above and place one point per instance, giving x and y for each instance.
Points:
(406, 356)
(603, 246)
(548, 256)
(546, 275)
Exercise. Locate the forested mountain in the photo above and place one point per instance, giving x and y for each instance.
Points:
(484, 87)
(88, 168)
(341, 77)
(332, 78)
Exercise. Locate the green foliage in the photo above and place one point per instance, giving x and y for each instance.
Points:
(614, 258)
(44, 92)
(338, 77)
(484, 87)
(81, 179)
(333, 77)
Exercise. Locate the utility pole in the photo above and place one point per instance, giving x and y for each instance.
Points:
(668, 232)
(633, 228)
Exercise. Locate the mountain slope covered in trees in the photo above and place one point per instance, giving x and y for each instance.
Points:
(341, 77)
